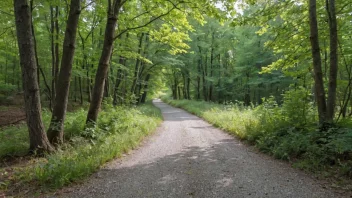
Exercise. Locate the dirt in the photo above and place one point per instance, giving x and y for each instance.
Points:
(187, 157)
(10, 115)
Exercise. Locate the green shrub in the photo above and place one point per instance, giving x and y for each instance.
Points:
(287, 132)
(118, 130)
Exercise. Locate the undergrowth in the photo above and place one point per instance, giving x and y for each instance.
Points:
(287, 132)
(118, 130)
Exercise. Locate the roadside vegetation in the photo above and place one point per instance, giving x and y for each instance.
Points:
(282, 69)
(118, 130)
(287, 132)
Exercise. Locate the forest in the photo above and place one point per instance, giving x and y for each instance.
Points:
(77, 80)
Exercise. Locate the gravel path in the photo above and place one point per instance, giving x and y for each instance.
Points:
(187, 157)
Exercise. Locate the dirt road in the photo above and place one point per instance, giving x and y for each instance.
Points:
(187, 157)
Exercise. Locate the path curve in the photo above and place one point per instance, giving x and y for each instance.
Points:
(187, 157)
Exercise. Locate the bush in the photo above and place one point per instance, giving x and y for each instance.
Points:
(287, 132)
(118, 130)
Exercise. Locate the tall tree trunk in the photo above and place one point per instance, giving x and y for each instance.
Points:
(119, 78)
(80, 90)
(318, 74)
(53, 57)
(37, 136)
(55, 131)
(145, 89)
(211, 68)
(331, 102)
(136, 69)
(188, 87)
(205, 92)
(57, 48)
(103, 66)
(199, 69)
(39, 70)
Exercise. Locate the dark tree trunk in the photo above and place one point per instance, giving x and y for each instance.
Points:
(188, 86)
(80, 90)
(57, 49)
(205, 92)
(53, 57)
(211, 68)
(103, 66)
(198, 80)
(184, 91)
(318, 74)
(179, 92)
(55, 131)
(118, 81)
(331, 102)
(106, 86)
(136, 69)
(119, 77)
(37, 136)
(145, 89)
(39, 70)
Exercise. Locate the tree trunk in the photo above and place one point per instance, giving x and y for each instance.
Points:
(55, 131)
(57, 49)
(38, 140)
(119, 77)
(39, 70)
(145, 89)
(80, 90)
(53, 57)
(103, 66)
(204, 84)
(318, 74)
(211, 68)
(136, 69)
(331, 102)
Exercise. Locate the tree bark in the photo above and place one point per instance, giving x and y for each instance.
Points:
(103, 66)
(39, 70)
(38, 140)
(55, 131)
(53, 57)
(57, 54)
(119, 77)
(211, 68)
(331, 102)
(136, 69)
(318, 74)
(145, 89)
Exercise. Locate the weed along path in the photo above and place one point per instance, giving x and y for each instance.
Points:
(187, 157)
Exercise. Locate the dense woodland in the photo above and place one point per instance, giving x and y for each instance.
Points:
(289, 60)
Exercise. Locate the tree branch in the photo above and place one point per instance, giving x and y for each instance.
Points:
(149, 22)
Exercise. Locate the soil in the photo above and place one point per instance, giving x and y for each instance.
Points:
(10, 115)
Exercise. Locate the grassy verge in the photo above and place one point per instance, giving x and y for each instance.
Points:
(118, 130)
(282, 135)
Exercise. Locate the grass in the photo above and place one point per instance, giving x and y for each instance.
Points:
(279, 132)
(118, 130)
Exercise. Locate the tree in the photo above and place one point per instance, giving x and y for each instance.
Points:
(331, 101)
(39, 142)
(55, 132)
(325, 108)
(98, 90)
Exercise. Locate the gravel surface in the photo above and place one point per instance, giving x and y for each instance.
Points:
(187, 157)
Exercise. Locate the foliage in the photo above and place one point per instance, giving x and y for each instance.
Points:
(273, 130)
(118, 130)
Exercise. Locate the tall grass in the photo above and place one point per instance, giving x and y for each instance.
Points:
(287, 132)
(118, 130)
